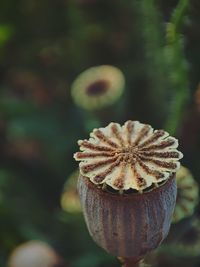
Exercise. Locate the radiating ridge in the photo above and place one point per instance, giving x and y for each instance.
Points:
(131, 156)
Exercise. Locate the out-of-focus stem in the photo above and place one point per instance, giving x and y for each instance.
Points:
(155, 68)
(130, 262)
(177, 65)
(178, 14)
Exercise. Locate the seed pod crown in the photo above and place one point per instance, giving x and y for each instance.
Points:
(132, 156)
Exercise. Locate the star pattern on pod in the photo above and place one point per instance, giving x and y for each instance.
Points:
(132, 156)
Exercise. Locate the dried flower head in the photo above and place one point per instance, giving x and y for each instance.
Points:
(34, 254)
(187, 195)
(98, 87)
(132, 156)
(70, 201)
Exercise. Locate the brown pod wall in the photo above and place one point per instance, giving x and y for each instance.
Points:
(128, 225)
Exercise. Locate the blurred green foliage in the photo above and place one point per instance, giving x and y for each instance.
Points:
(44, 46)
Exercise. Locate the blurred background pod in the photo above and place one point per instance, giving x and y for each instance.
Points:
(70, 201)
(97, 92)
(98, 87)
(187, 195)
(35, 254)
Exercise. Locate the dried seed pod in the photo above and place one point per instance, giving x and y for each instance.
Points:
(98, 87)
(127, 187)
(187, 195)
(128, 225)
(132, 156)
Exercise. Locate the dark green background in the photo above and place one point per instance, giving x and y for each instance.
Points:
(44, 45)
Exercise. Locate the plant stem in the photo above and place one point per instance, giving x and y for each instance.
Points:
(177, 64)
(130, 262)
(179, 13)
(154, 60)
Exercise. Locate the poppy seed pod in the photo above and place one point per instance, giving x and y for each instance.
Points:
(127, 187)
(128, 225)
(98, 87)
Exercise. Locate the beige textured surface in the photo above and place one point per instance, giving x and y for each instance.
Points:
(132, 156)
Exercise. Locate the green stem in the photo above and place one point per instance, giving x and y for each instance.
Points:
(179, 13)
(155, 69)
(177, 66)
